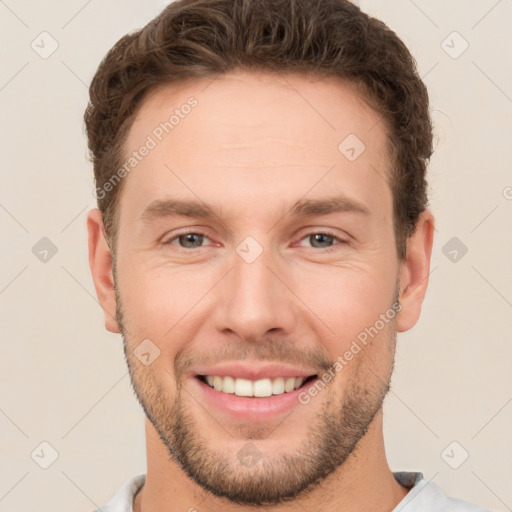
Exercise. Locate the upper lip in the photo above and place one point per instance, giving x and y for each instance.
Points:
(255, 371)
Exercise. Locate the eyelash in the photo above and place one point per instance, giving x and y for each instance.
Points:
(324, 232)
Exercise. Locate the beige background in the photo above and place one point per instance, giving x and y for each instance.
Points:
(63, 377)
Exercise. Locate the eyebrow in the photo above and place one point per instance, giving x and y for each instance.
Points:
(303, 208)
(338, 204)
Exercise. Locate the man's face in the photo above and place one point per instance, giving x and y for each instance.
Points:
(260, 291)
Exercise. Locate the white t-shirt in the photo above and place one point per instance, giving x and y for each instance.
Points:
(424, 496)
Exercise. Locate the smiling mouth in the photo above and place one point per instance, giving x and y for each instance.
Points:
(255, 388)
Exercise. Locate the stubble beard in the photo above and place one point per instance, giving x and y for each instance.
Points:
(275, 479)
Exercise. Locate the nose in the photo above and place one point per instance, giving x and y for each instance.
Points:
(255, 299)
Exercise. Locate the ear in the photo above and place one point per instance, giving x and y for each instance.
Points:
(100, 262)
(414, 272)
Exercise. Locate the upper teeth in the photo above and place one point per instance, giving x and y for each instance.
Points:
(258, 388)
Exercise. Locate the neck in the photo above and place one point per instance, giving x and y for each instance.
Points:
(363, 483)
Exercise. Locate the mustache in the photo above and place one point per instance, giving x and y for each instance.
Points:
(269, 350)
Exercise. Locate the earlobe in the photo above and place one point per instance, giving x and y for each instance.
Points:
(100, 262)
(414, 272)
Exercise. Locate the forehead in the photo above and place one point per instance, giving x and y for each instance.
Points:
(238, 104)
(242, 133)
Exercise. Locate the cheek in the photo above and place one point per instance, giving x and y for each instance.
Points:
(348, 301)
(159, 302)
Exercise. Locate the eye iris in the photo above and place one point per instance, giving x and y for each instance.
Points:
(189, 237)
(321, 237)
(191, 240)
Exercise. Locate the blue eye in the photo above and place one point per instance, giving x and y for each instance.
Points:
(191, 240)
(318, 240)
(323, 240)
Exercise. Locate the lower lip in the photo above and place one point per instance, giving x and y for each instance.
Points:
(252, 409)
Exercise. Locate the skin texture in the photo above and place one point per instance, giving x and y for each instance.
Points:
(252, 148)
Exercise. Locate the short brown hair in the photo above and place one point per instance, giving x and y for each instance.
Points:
(326, 38)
